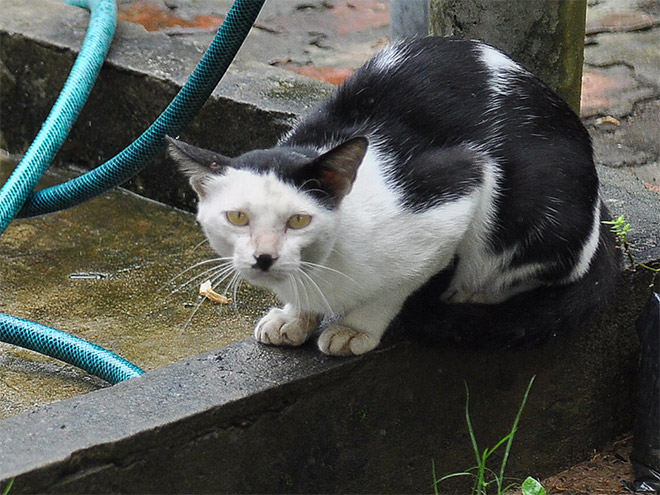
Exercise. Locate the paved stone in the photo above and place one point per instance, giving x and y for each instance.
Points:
(638, 50)
(611, 90)
(323, 39)
(633, 142)
(621, 21)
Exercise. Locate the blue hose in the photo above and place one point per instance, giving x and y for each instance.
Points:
(65, 111)
(66, 347)
(51, 136)
(15, 195)
(178, 113)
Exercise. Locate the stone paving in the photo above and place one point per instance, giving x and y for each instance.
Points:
(329, 39)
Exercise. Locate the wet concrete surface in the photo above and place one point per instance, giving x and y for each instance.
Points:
(103, 271)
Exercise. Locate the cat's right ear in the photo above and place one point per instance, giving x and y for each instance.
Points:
(198, 164)
(337, 169)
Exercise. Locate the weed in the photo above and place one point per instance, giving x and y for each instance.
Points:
(484, 476)
(286, 479)
(532, 487)
(8, 487)
(620, 228)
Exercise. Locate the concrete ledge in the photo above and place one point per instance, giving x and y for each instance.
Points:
(249, 419)
(252, 107)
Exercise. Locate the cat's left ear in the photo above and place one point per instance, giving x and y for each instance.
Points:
(337, 168)
(198, 164)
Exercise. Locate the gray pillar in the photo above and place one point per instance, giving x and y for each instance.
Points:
(409, 18)
(546, 36)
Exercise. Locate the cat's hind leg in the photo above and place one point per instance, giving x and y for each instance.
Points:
(285, 326)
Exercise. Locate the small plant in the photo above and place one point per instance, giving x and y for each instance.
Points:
(7, 489)
(620, 228)
(532, 487)
(484, 476)
(286, 479)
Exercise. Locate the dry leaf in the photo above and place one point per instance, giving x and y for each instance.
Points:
(207, 291)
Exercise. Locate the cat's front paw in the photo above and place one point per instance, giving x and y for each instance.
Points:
(280, 327)
(341, 340)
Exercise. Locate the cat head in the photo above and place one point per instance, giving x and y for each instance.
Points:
(271, 210)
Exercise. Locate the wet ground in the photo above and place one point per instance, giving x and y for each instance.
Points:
(103, 271)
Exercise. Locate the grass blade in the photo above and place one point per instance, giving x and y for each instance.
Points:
(514, 428)
(8, 487)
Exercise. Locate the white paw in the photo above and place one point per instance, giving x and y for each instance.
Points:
(340, 340)
(280, 327)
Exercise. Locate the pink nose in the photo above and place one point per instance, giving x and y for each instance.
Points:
(266, 247)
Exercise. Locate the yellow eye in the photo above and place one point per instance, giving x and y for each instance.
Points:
(298, 221)
(237, 218)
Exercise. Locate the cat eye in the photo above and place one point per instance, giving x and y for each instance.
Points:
(298, 221)
(237, 218)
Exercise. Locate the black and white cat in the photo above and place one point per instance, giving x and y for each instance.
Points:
(442, 169)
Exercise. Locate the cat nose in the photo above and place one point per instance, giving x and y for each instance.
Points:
(264, 262)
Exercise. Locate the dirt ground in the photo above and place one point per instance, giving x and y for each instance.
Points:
(601, 475)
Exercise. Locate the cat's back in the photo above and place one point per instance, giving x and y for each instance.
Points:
(442, 91)
(446, 116)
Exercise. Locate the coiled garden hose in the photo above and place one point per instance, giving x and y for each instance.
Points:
(42, 151)
(178, 113)
(15, 195)
(66, 347)
(65, 111)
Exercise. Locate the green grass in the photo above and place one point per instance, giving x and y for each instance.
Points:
(620, 228)
(8, 487)
(485, 479)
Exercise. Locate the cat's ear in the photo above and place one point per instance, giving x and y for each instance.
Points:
(336, 169)
(198, 164)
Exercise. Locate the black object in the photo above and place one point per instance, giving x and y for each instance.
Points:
(645, 455)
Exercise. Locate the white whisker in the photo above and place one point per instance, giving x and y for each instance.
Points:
(217, 274)
(293, 283)
(210, 273)
(196, 265)
(192, 313)
(304, 291)
(233, 286)
(205, 241)
(328, 269)
(318, 289)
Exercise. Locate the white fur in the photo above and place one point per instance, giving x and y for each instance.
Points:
(588, 251)
(268, 203)
(365, 245)
(391, 56)
(500, 67)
